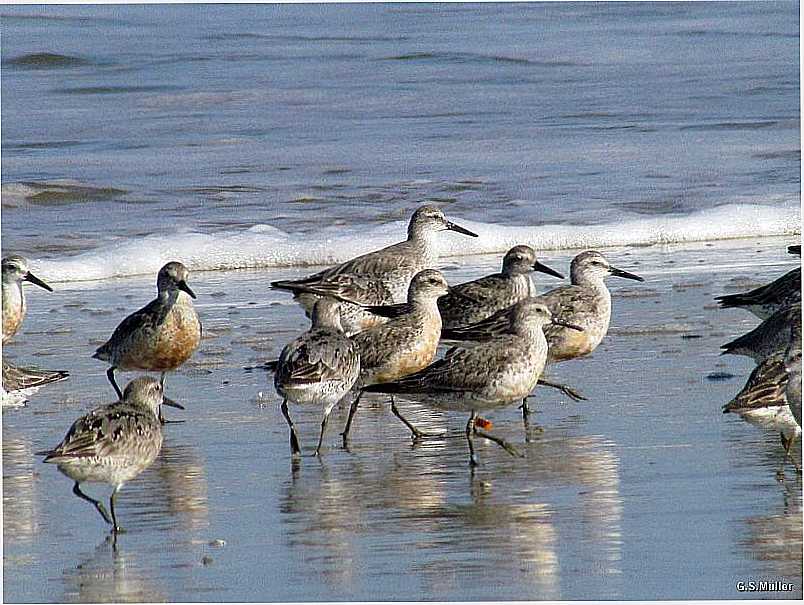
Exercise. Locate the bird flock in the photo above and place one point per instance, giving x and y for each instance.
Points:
(771, 398)
(377, 322)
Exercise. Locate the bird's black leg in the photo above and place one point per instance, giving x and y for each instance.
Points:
(295, 450)
(110, 376)
(352, 410)
(77, 491)
(116, 529)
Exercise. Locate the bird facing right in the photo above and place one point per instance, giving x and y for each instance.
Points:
(14, 272)
(585, 303)
(488, 375)
(162, 335)
(113, 443)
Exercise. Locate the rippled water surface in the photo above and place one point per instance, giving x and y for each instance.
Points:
(645, 491)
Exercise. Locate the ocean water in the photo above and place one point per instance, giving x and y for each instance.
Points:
(269, 135)
(254, 142)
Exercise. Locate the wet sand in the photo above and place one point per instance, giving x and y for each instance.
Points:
(646, 491)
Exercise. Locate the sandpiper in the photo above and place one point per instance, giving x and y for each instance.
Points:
(394, 267)
(763, 400)
(493, 374)
(161, 336)
(16, 378)
(475, 300)
(585, 303)
(766, 300)
(404, 344)
(14, 272)
(770, 337)
(113, 443)
(319, 367)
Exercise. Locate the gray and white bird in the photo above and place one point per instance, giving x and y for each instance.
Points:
(768, 338)
(403, 345)
(162, 335)
(474, 301)
(319, 367)
(763, 401)
(113, 443)
(489, 375)
(768, 299)
(20, 382)
(585, 303)
(379, 277)
(14, 272)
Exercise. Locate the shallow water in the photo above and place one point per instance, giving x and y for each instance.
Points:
(646, 491)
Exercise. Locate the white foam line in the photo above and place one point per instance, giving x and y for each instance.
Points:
(265, 246)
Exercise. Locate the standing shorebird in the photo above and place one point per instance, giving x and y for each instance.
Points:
(489, 375)
(318, 367)
(770, 298)
(770, 337)
(404, 344)
(585, 303)
(14, 272)
(162, 335)
(20, 382)
(763, 401)
(379, 277)
(113, 443)
(474, 301)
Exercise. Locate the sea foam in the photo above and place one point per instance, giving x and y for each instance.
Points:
(266, 246)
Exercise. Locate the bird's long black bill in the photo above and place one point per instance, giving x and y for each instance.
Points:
(567, 324)
(459, 229)
(620, 273)
(185, 288)
(35, 280)
(170, 403)
(537, 266)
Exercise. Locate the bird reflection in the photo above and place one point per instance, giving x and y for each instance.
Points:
(775, 538)
(109, 574)
(21, 503)
(175, 489)
(495, 533)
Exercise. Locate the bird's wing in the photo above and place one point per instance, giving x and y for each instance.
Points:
(765, 387)
(142, 321)
(318, 356)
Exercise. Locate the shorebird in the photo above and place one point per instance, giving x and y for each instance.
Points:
(770, 298)
(379, 277)
(475, 300)
(404, 344)
(162, 335)
(113, 443)
(14, 272)
(585, 303)
(318, 367)
(485, 376)
(763, 401)
(770, 337)
(20, 382)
